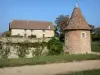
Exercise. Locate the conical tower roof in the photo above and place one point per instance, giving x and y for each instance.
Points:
(77, 21)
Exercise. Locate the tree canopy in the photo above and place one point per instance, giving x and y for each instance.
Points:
(61, 22)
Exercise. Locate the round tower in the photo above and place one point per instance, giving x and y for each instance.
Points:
(77, 34)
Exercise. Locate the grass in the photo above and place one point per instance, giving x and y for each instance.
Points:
(51, 59)
(88, 72)
(46, 60)
(95, 46)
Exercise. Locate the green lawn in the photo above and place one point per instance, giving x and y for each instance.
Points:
(46, 60)
(95, 46)
(88, 72)
(51, 59)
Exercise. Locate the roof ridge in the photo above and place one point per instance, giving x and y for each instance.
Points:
(26, 24)
(32, 21)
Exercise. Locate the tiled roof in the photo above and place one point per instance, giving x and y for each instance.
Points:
(24, 24)
(77, 21)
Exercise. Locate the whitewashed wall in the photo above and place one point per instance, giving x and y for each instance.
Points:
(38, 33)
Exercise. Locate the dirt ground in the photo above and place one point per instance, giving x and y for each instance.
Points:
(51, 69)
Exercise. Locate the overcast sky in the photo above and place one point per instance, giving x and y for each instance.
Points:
(46, 10)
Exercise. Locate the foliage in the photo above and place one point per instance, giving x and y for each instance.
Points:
(56, 34)
(4, 50)
(0, 45)
(61, 22)
(39, 48)
(55, 46)
(97, 30)
(92, 27)
(88, 72)
(95, 46)
(95, 33)
(0, 48)
(95, 37)
(6, 34)
(46, 59)
(22, 49)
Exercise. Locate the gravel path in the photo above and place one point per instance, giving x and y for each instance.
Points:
(51, 69)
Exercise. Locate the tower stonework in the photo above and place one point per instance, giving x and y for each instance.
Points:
(77, 34)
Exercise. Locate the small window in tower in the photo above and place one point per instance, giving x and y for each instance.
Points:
(83, 34)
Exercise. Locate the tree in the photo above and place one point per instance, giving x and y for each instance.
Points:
(61, 22)
(92, 27)
(4, 50)
(6, 34)
(97, 30)
(95, 33)
(54, 46)
(56, 34)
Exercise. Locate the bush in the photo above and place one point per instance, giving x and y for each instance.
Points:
(95, 37)
(6, 34)
(55, 46)
(4, 50)
(95, 46)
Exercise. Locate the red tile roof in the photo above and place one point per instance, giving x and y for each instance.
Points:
(37, 25)
(77, 21)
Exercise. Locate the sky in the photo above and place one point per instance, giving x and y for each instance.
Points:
(46, 10)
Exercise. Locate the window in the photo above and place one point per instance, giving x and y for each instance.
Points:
(31, 30)
(25, 35)
(83, 34)
(43, 35)
(48, 27)
(25, 30)
(43, 30)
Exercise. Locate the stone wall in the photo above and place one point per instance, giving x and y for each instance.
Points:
(76, 42)
(13, 49)
(13, 53)
(23, 39)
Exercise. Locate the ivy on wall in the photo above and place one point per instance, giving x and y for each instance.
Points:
(4, 50)
(54, 47)
(22, 48)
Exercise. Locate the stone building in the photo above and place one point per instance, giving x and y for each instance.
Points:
(37, 29)
(77, 34)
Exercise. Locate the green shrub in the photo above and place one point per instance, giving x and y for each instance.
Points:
(4, 50)
(95, 37)
(95, 46)
(55, 46)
